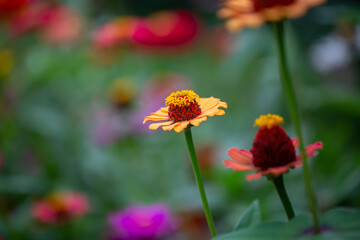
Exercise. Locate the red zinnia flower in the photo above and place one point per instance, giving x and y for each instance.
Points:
(273, 152)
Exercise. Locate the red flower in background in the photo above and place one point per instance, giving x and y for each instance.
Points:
(162, 29)
(60, 207)
(10, 6)
(167, 28)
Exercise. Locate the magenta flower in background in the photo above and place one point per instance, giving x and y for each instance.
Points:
(141, 222)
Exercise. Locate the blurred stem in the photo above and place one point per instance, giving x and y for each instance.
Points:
(280, 188)
(295, 115)
(194, 162)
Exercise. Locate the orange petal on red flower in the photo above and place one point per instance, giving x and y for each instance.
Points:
(276, 170)
(296, 163)
(310, 149)
(241, 156)
(237, 166)
(254, 176)
(295, 142)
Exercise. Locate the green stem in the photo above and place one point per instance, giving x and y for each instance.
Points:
(295, 115)
(190, 144)
(280, 188)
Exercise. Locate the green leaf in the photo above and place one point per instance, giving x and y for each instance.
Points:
(251, 216)
(337, 224)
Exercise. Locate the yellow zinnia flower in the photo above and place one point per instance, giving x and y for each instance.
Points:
(254, 13)
(185, 108)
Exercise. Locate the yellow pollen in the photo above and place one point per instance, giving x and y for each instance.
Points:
(182, 98)
(268, 121)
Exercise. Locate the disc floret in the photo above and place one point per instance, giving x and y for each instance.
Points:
(268, 121)
(183, 105)
(272, 146)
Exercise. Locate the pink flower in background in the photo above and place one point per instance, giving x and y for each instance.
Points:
(166, 28)
(56, 24)
(141, 222)
(116, 32)
(34, 16)
(60, 207)
(64, 27)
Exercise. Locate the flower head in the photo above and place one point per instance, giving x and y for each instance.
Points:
(60, 207)
(254, 13)
(185, 108)
(141, 222)
(273, 152)
(166, 29)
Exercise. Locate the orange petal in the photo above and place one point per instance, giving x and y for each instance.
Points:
(181, 126)
(296, 10)
(241, 156)
(213, 110)
(276, 170)
(253, 20)
(313, 3)
(220, 112)
(169, 127)
(226, 13)
(234, 25)
(295, 142)
(159, 115)
(296, 163)
(196, 121)
(237, 166)
(155, 118)
(208, 103)
(244, 5)
(155, 126)
(254, 176)
(273, 13)
(310, 149)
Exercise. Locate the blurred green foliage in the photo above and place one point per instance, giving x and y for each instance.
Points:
(49, 100)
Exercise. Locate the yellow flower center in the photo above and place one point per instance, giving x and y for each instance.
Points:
(183, 105)
(268, 121)
(181, 98)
